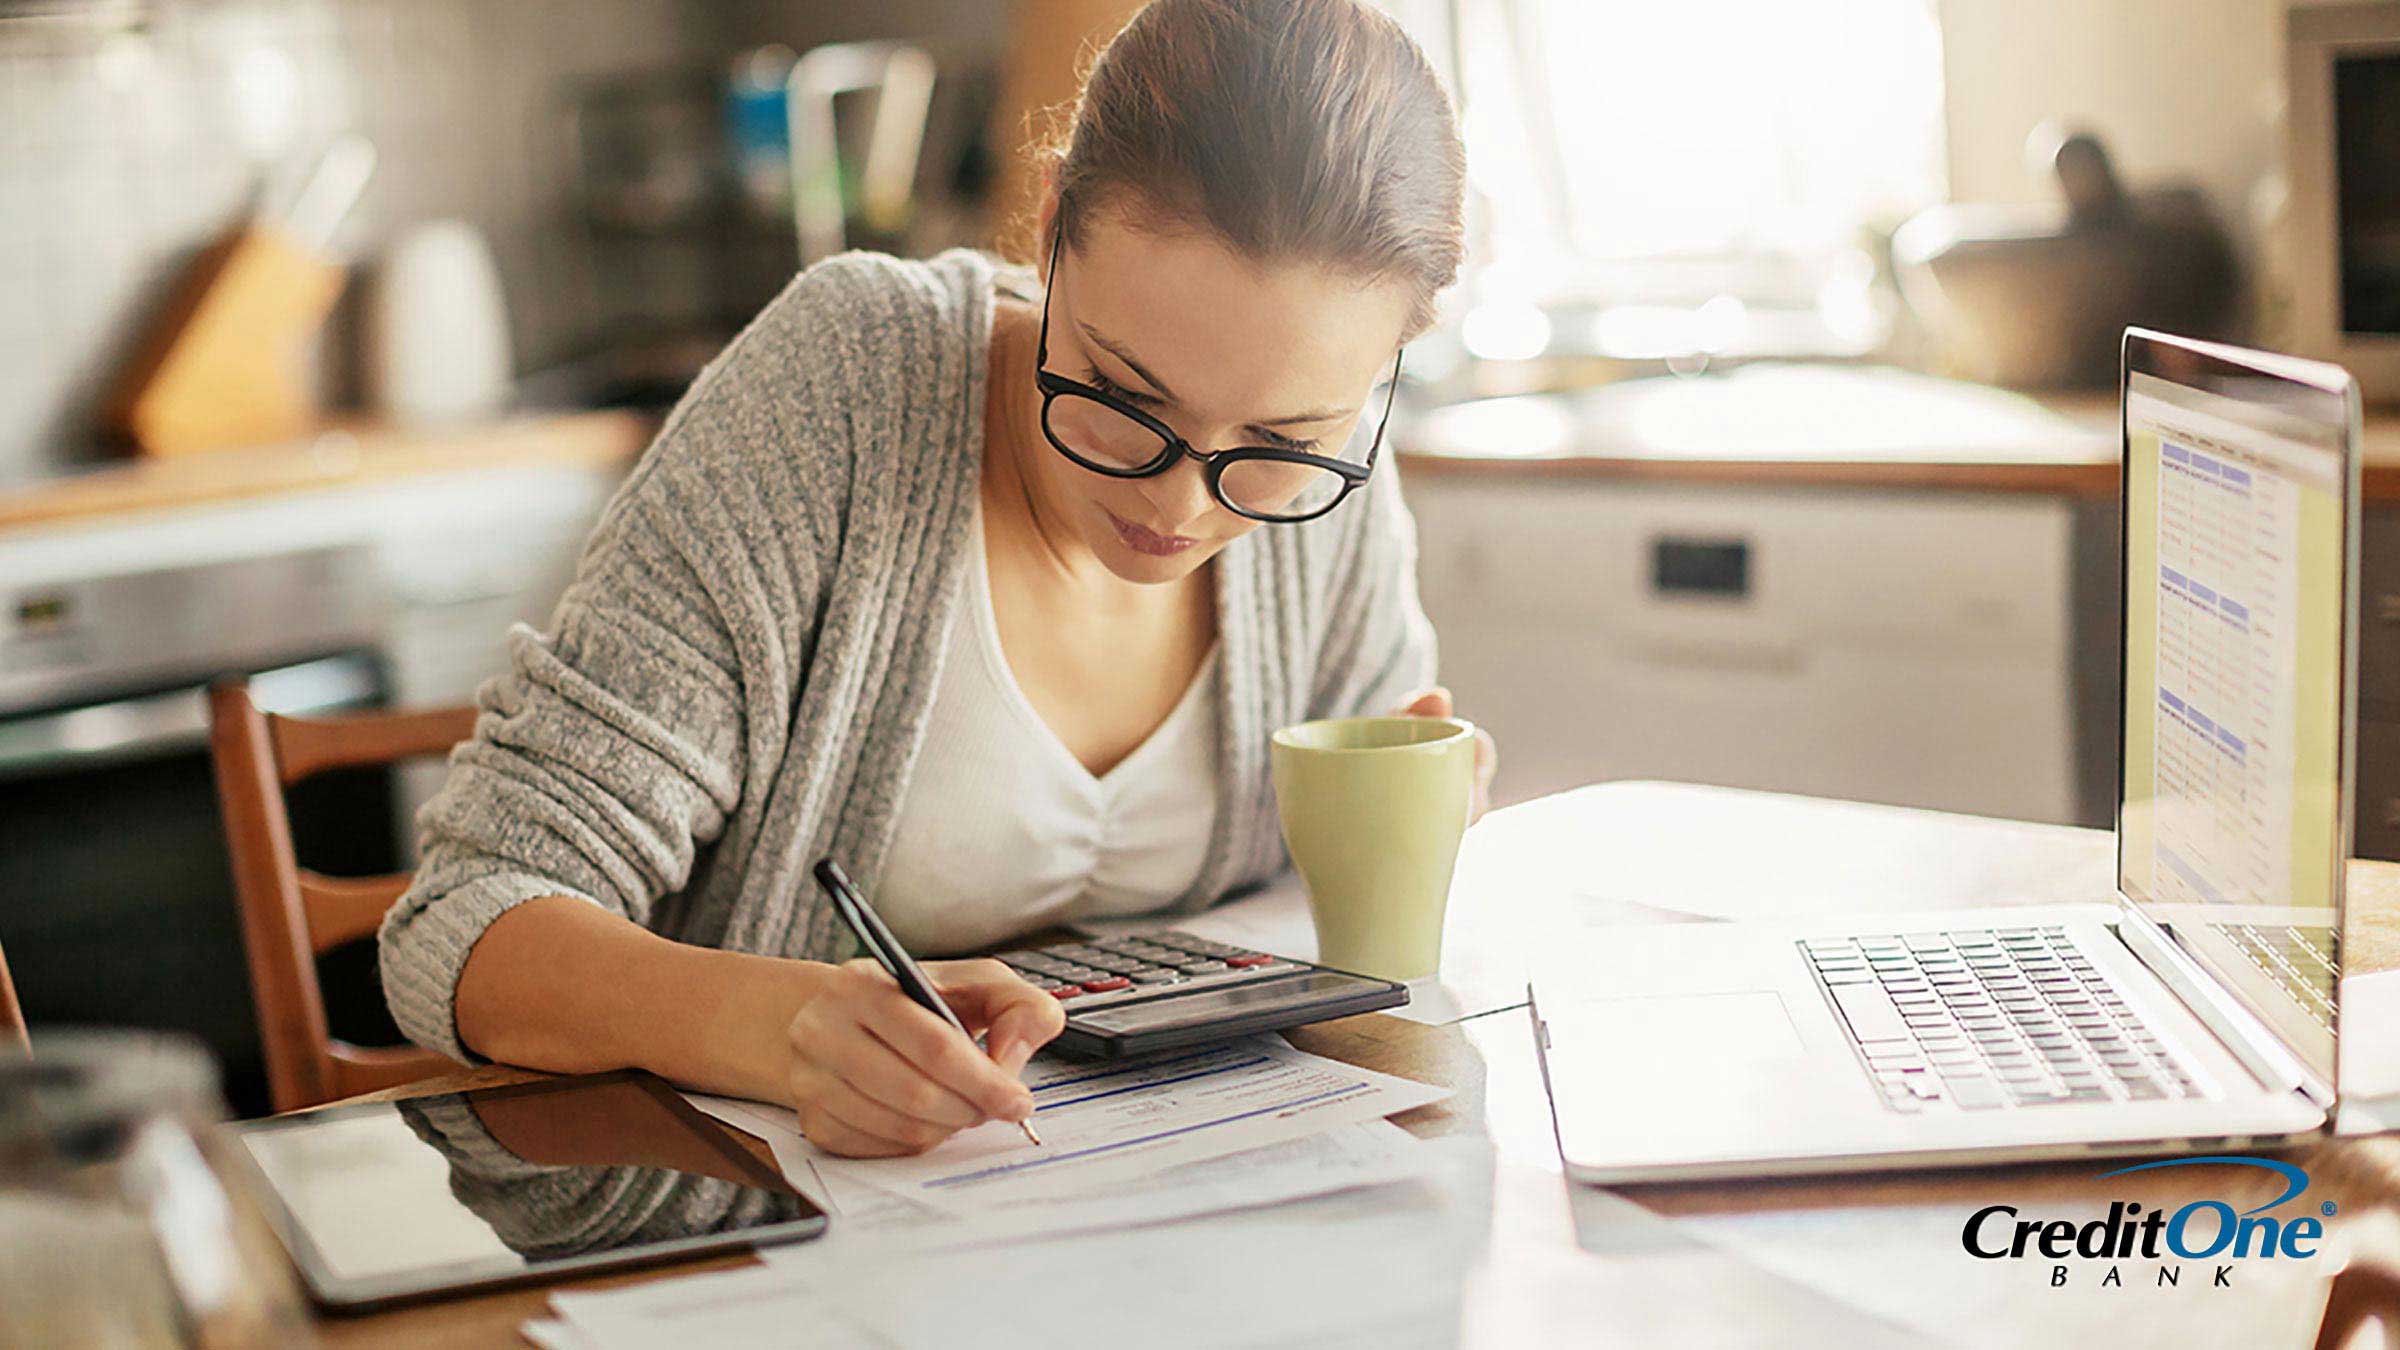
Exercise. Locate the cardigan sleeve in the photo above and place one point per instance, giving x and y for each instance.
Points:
(1378, 646)
(618, 744)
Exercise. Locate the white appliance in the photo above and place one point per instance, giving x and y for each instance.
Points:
(1907, 648)
(2150, 1025)
(436, 328)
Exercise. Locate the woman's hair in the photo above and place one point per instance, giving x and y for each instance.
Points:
(1310, 130)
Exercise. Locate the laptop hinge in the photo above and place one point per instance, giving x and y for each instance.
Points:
(2266, 1057)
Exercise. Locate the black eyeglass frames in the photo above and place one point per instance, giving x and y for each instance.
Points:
(1103, 433)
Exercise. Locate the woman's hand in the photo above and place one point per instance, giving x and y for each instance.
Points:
(1435, 702)
(875, 1076)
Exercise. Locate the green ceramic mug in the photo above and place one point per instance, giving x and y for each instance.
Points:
(1373, 808)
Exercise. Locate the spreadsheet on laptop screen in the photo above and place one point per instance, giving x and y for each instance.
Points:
(2234, 553)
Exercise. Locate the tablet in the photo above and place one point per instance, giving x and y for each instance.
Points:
(394, 1201)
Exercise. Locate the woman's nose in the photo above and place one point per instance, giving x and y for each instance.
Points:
(1180, 495)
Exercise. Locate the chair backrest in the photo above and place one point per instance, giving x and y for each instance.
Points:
(12, 1015)
(291, 915)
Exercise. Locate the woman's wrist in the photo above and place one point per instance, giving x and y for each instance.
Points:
(563, 985)
(738, 1038)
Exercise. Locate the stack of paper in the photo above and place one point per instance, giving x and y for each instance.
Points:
(1274, 1143)
(1101, 1124)
(1381, 1268)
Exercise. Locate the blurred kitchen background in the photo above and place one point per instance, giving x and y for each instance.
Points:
(1768, 441)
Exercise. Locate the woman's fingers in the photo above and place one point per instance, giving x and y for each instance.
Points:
(1016, 1018)
(875, 1075)
(862, 1114)
(834, 1043)
(1487, 766)
(938, 1053)
(1436, 702)
(830, 1133)
(865, 1065)
(1022, 1028)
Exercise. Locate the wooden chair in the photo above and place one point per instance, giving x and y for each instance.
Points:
(291, 915)
(12, 1015)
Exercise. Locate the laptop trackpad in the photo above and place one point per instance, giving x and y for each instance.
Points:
(1686, 1031)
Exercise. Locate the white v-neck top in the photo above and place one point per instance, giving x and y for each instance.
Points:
(1001, 830)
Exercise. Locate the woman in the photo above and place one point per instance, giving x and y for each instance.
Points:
(995, 600)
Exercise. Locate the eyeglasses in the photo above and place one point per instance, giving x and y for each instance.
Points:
(1103, 433)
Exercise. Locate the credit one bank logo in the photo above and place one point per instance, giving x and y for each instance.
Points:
(2205, 1231)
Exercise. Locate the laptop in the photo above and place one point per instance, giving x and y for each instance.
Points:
(2196, 1011)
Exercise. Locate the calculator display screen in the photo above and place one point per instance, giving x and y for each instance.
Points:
(1200, 1009)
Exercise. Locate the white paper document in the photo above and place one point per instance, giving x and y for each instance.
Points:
(1352, 1157)
(1101, 1124)
(1381, 1268)
(1369, 1153)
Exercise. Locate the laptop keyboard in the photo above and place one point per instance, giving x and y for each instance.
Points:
(2299, 960)
(1983, 1020)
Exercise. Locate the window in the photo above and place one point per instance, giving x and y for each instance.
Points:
(1654, 154)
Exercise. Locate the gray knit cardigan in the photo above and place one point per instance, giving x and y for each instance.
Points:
(737, 681)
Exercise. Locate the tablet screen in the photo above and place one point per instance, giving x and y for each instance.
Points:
(475, 1188)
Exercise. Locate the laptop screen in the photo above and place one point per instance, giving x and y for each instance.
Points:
(2232, 817)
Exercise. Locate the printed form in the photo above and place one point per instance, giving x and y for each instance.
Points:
(2228, 587)
(1104, 1124)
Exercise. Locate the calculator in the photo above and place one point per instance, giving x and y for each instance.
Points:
(1130, 996)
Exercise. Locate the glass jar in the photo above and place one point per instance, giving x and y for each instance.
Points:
(117, 1225)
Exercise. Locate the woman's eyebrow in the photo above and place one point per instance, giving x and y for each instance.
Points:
(1117, 350)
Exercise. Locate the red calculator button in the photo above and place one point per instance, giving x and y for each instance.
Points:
(1066, 991)
(1104, 986)
(1253, 959)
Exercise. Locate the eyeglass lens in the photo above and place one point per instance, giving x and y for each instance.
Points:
(1106, 439)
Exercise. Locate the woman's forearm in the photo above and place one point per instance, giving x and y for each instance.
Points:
(563, 985)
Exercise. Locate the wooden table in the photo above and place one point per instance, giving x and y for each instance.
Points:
(1651, 841)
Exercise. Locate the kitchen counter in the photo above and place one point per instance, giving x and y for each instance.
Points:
(1821, 426)
(344, 456)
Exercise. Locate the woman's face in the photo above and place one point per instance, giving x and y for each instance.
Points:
(1226, 351)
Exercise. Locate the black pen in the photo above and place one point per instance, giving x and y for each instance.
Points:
(888, 953)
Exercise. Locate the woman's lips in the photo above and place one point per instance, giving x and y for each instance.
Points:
(1147, 541)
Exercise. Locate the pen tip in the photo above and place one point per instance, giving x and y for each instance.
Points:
(1027, 1127)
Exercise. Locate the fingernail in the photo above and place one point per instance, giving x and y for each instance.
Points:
(1021, 1109)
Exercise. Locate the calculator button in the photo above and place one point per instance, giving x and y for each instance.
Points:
(1199, 967)
(1103, 986)
(1067, 991)
(1155, 977)
(1248, 959)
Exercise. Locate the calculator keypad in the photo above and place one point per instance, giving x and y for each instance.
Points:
(1111, 970)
